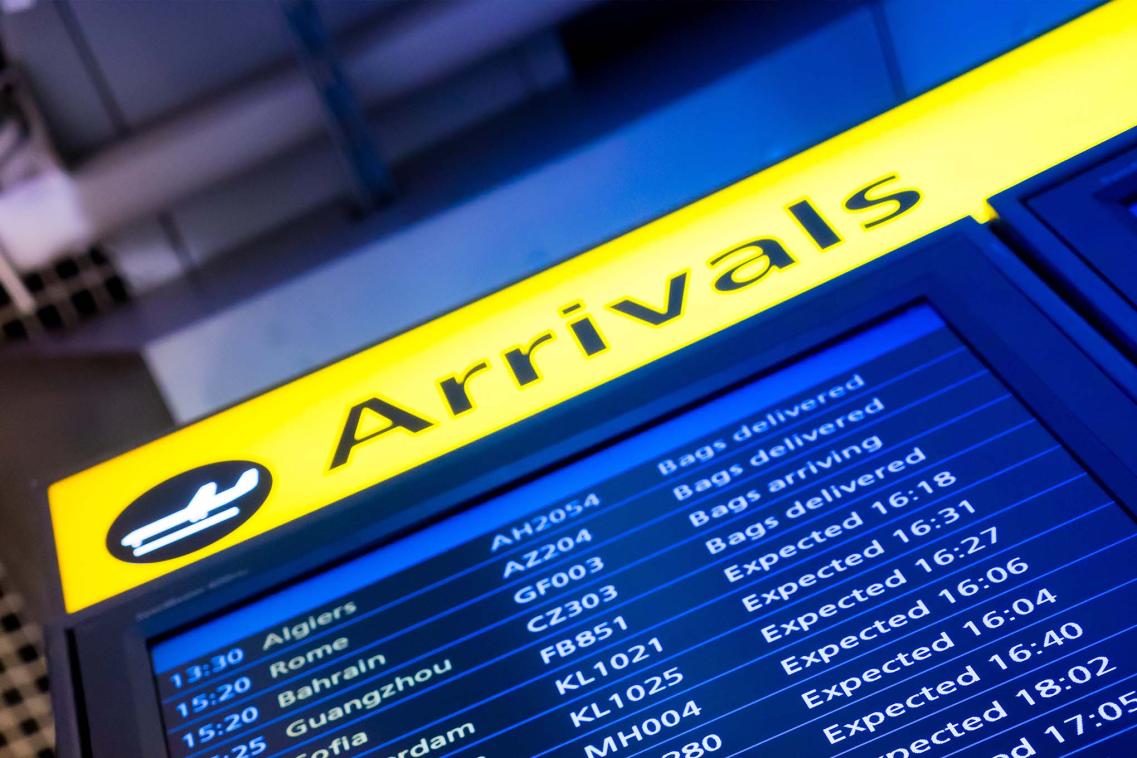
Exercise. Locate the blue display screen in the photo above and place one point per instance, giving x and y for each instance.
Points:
(876, 550)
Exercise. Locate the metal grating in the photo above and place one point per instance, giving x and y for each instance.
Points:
(65, 294)
(26, 726)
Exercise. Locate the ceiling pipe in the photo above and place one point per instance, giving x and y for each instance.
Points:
(60, 211)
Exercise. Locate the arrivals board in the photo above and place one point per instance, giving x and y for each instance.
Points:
(876, 550)
(815, 465)
(597, 316)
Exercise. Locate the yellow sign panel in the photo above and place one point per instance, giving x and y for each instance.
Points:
(600, 315)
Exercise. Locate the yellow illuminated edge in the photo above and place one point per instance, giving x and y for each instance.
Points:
(606, 312)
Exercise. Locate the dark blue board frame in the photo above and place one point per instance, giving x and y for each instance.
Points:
(102, 679)
(1076, 224)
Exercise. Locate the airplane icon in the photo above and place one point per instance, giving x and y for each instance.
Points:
(198, 515)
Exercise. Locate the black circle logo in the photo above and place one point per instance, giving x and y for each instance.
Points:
(189, 511)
